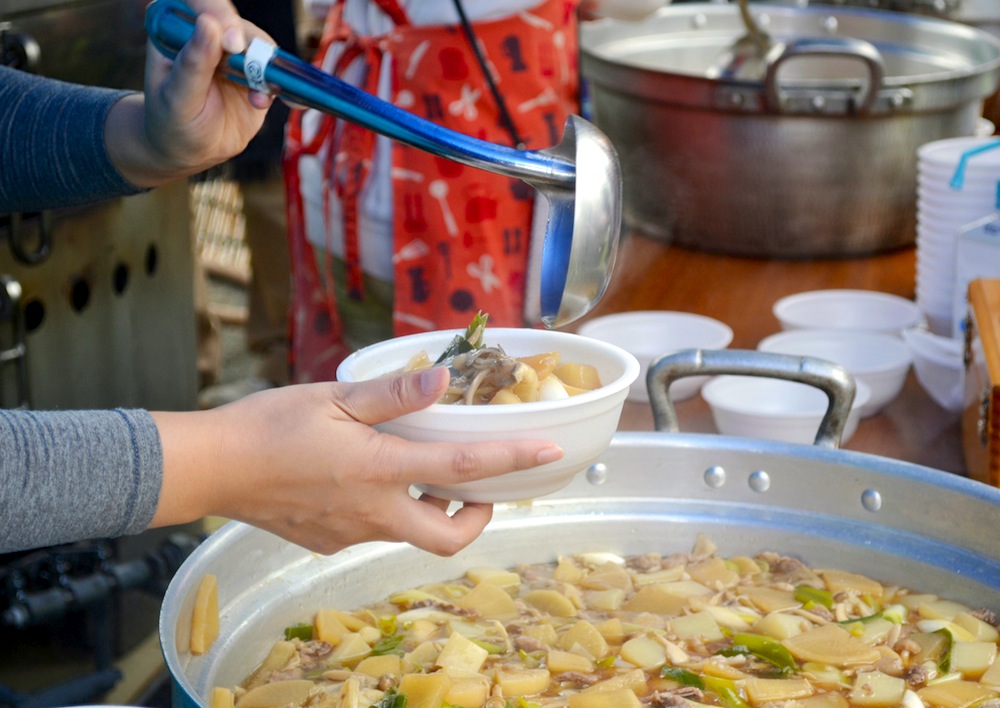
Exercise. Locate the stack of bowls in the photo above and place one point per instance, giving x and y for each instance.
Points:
(844, 309)
(957, 184)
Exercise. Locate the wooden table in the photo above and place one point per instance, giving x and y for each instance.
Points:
(740, 292)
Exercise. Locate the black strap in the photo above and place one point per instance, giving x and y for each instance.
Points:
(505, 117)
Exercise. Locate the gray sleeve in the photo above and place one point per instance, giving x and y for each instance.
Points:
(52, 144)
(72, 475)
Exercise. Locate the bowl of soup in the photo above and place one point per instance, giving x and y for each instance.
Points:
(570, 391)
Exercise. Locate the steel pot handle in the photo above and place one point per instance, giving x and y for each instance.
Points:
(846, 47)
(833, 379)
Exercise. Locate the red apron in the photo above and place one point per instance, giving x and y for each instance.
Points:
(461, 235)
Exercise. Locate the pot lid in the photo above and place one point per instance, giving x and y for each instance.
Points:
(822, 59)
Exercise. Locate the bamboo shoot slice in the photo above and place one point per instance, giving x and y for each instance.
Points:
(205, 617)
(831, 644)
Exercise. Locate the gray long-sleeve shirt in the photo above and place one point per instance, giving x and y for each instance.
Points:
(67, 475)
(72, 475)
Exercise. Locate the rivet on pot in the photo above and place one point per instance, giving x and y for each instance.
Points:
(597, 473)
(698, 20)
(818, 102)
(830, 24)
(715, 477)
(871, 499)
(760, 481)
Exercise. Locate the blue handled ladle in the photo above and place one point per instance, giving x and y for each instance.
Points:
(580, 177)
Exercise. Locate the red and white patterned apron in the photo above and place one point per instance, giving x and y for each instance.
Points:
(461, 235)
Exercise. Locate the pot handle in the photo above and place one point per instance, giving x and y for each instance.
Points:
(833, 379)
(846, 47)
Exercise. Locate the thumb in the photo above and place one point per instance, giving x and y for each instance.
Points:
(388, 397)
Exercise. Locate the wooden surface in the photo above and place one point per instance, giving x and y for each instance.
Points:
(740, 292)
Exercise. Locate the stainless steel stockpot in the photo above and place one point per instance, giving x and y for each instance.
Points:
(895, 521)
(814, 155)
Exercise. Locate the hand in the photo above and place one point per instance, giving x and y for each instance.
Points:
(304, 463)
(189, 118)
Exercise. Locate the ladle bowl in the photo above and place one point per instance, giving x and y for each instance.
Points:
(580, 178)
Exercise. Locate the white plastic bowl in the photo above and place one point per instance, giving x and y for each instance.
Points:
(774, 409)
(880, 360)
(864, 310)
(582, 425)
(649, 334)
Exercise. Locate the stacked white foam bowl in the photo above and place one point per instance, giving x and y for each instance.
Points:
(944, 209)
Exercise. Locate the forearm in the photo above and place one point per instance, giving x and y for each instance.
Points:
(72, 475)
(52, 144)
(195, 467)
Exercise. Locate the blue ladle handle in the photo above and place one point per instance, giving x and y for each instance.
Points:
(170, 24)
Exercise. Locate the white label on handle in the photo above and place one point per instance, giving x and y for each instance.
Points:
(256, 59)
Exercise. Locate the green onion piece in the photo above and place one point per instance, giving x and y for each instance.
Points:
(944, 662)
(862, 620)
(301, 631)
(895, 614)
(807, 594)
(489, 647)
(472, 339)
(766, 648)
(388, 645)
(387, 625)
(391, 699)
(726, 690)
(682, 676)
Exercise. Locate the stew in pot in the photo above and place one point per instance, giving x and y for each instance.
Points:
(599, 630)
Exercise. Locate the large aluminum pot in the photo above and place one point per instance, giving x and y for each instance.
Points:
(651, 492)
(814, 155)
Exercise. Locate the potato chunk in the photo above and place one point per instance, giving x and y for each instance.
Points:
(874, 688)
(274, 695)
(522, 682)
(618, 698)
(425, 690)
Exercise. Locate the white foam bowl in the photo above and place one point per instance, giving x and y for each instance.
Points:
(582, 425)
(649, 334)
(775, 409)
(939, 366)
(882, 361)
(864, 310)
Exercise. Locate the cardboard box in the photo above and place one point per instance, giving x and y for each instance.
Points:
(981, 417)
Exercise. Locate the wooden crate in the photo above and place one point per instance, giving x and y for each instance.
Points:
(981, 418)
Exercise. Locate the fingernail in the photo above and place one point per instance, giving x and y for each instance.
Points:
(233, 41)
(549, 454)
(429, 381)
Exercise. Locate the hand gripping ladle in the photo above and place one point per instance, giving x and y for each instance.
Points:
(580, 177)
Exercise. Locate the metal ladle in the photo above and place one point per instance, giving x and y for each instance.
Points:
(580, 177)
(746, 58)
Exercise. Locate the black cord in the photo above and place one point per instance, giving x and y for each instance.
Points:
(505, 117)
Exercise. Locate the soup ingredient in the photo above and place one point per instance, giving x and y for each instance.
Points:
(687, 629)
(205, 616)
(483, 374)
